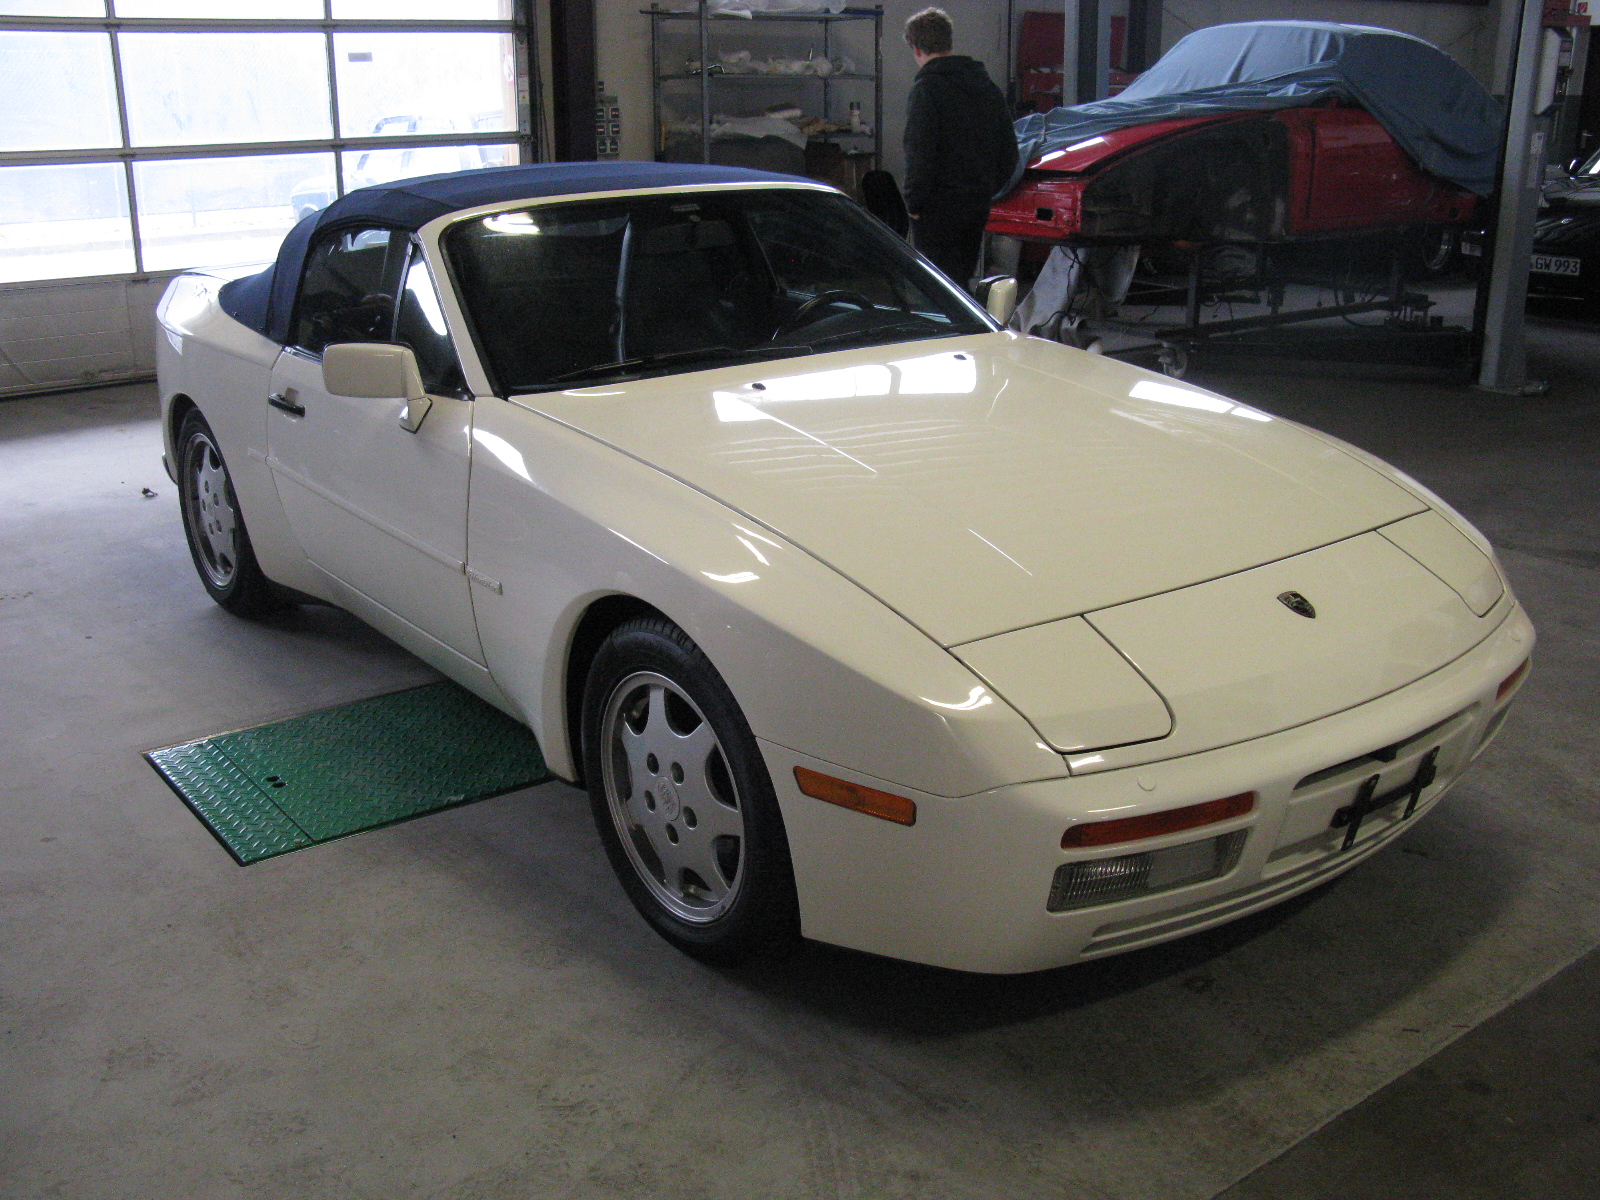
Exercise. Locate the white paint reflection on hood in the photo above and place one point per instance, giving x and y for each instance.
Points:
(1171, 393)
(870, 380)
(950, 374)
(947, 374)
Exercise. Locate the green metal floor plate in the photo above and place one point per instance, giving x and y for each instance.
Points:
(310, 779)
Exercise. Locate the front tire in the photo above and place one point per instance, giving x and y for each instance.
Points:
(214, 526)
(682, 799)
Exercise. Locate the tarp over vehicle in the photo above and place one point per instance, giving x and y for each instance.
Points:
(1430, 105)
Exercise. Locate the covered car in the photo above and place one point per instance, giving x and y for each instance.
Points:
(860, 617)
(1262, 131)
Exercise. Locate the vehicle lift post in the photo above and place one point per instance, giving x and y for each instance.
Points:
(1503, 365)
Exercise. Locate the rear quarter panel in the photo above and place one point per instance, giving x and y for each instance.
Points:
(206, 357)
(1347, 173)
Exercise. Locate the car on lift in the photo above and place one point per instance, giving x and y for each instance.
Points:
(1266, 132)
(860, 617)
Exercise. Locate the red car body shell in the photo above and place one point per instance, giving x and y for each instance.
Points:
(1342, 173)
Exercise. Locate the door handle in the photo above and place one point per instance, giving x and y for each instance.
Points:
(285, 401)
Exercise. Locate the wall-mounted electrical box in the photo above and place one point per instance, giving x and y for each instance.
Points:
(607, 123)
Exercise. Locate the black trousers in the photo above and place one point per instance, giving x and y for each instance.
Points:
(951, 240)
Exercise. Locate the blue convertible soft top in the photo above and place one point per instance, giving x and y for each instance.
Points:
(1430, 105)
(264, 301)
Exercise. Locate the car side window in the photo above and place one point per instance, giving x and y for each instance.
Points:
(347, 293)
(420, 325)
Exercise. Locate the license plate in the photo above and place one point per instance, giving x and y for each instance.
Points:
(1555, 264)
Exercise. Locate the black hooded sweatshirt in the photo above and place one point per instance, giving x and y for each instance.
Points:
(960, 144)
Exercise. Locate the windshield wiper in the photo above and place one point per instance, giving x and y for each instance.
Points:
(703, 353)
(922, 327)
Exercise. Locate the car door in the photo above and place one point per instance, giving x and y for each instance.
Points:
(381, 509)
(1361, 176)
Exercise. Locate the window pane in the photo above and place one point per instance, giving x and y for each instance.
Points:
(384, 166)
(279, 10)
(420, 325)
(572, 292)
(59, 92)
(543, 287)
(216, 211)
(500, 156)
(463, 81)
(347, 291)
(52, 8)
(187, 89)
(63, 221)
(422, 10)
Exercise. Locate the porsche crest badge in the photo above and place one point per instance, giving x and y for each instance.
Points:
(1297, 604)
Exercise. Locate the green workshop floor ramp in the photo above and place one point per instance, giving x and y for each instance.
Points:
(310, 779)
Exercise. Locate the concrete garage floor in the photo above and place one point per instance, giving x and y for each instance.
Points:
(465, 1006)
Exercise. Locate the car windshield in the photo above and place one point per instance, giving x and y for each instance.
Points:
(565, 295)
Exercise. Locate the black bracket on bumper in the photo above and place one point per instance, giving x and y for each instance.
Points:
(1367, 800)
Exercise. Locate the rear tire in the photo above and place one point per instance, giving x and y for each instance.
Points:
(682, 799)
(1434, 251)
(214, 526)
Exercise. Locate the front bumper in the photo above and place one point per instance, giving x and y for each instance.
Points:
(967, 886)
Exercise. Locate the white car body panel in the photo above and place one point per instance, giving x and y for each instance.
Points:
(983, 484)
(1023, 586)
(203, 353)
(965, 888)
(1234, 663)
(380, 509)
(559, 520)
(1074, 685)
(1438, 545)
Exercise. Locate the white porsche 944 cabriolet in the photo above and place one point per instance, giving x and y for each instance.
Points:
(858, 616)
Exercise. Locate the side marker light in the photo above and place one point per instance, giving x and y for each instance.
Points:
(853, 795)
(1129, 829)
(1511, 680)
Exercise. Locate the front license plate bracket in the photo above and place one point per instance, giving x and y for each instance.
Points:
(1368, 800)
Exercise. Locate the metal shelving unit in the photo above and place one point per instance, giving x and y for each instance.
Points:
(711, 73)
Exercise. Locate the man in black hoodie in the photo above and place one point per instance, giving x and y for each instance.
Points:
(960, 147)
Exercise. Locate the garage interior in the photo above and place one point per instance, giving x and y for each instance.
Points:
(466, 1006)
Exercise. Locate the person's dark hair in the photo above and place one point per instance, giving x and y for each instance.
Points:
(930, 31)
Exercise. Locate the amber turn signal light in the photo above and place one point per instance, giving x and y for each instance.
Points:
(852, 795)
(1511, 681)
(1129, 829)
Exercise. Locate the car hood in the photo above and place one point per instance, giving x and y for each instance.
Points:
(982, 484)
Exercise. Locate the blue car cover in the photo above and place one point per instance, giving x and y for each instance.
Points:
(1438, 113)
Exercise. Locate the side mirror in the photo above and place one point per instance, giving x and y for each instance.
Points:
(377, 371)
(998, 295)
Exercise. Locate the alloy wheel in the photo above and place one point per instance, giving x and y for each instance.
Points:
(672, 797)
(212, 516)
